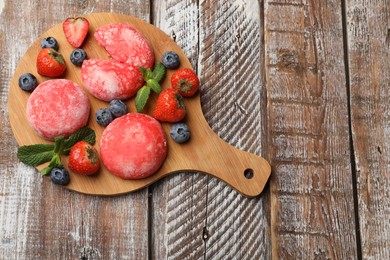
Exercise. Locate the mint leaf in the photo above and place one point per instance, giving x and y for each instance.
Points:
(59, 144)
(54, 163)
(152, 79)
(153, 84)
(83, 134)
(38, 154)
(142, 97)
(35, 154)
(144, 72)
(46, 170)
(159, 72)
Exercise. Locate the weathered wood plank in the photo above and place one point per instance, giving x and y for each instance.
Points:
(39, 220)
(203, 217)
(179, 202)
(234, 101)
(368, 47)
(312, 207)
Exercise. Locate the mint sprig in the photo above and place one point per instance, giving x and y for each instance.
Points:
(142, 97)
(38, 154)
(152, 80)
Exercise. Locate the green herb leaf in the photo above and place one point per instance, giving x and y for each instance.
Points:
(144, 72)
(59, 144)
(142, 97)
(83, 134)
(55, 162)
(159, 72)
(153, 84)
(35, 154)
(38, 154)
(46, 170)
(152, 79)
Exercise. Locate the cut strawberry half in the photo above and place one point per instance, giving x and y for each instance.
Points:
(75, 30)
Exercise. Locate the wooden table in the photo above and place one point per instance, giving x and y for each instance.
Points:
(305, 84)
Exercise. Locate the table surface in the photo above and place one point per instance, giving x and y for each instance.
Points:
(304, 84)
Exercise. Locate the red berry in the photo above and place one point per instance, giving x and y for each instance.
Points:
(169, 106)
(185, 82)
(50, 63)
(83, 159)
(75, 30)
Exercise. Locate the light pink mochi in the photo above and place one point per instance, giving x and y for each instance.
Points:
(111, 79)
(126, 44)
(57, 107)
(133, 146)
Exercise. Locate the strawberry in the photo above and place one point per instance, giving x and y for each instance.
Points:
(83, 159)
(185, 81)
(169, 106)
(75, 30)
(50, 63)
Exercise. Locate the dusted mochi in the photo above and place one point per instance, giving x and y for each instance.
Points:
(126, 44)
(57, 107)
(110, 79)
(133, 146)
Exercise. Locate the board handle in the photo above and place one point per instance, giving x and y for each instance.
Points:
(245, 172)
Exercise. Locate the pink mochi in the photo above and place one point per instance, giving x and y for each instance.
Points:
(111, 79)
(57, 107)
(126, 44)
(133, 146)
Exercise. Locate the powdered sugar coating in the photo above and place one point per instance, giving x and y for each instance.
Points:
(110, 79)
(133, 146)
(57, 107)
(126, 44)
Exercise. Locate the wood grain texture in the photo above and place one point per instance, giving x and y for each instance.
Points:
(37, 219)
(369, 68)
(179, 203)
(297, 96)
(204, 217)
(311, 187)
(234, 101)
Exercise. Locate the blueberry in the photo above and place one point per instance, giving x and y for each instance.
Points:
(59, 176)
(180, 133)
(28, 82)
(49, 42)
(78, 56)
(118, 108)
(170, 60)
(103, 116)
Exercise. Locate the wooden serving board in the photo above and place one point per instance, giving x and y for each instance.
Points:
(204, 153)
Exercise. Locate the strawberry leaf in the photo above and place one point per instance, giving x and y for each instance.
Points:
(142, 97)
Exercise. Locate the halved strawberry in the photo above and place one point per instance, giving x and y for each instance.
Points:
(75, 30)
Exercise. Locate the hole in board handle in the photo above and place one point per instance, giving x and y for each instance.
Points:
(248, 173)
